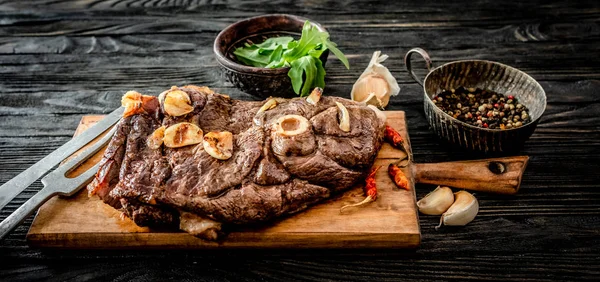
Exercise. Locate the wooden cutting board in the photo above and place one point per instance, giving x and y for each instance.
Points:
(390, 222)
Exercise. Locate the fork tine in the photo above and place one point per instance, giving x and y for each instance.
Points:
(60, 172)
(72, 185)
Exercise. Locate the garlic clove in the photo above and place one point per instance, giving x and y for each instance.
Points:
(132, 108)
(156, 138)
(218, 144)
(131, 97)
(272, 103)
(462, 211)
(344, 117)
(376, 84)
(177, 102)
(182, 134)
(161, 96)
(133, 102)
(436, 202)
(259, 116)
(314, 96)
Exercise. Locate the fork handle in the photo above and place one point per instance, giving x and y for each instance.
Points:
(25, 210)
(498, 175)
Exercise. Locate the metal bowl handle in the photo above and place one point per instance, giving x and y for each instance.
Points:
(409, 66)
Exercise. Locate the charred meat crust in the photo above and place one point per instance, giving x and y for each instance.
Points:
(107, 176)
(153, 186)
(149, 215)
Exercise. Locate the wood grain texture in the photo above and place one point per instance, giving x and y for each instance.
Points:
(61, 60)
(493, 175)
(391, 222)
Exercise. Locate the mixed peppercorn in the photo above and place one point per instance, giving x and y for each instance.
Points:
(483, 108)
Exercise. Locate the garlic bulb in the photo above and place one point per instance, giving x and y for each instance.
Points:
(463, 211)
(437, 201)
(376, 84)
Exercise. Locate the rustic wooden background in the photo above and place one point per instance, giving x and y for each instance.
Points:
(60, 60)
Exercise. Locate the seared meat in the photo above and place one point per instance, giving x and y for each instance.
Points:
(284, 159)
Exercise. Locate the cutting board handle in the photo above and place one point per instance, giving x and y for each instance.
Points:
(497, 175)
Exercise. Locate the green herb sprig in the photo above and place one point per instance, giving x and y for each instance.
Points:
(301, 56)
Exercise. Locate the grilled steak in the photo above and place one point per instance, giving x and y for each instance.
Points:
(286, 155)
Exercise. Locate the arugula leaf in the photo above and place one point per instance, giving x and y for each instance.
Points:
(308, 41)
(317, 52)
(251, 56)
(302, 56)
(261, 55)
(309, 68)
(274, 42)
(333, 47)
(313, 39)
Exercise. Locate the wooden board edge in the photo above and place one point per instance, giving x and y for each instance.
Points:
(181, 240)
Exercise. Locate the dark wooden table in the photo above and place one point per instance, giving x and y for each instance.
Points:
(60, 60)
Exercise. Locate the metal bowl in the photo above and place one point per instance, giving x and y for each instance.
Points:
(485, 75)
(261, 82)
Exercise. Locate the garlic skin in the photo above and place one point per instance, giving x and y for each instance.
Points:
(376, 84)
(462, 211)
(437, 201)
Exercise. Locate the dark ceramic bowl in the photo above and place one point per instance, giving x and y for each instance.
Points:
(260, 82)
(485, 75)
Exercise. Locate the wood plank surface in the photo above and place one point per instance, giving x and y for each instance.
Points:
(60, 60)
(390, 222)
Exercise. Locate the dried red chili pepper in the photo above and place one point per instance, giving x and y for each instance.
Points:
(398, 176)
(370, 189)
(393, 137)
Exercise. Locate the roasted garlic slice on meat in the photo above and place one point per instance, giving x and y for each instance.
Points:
(272, 103)
(376, 84)
(182, 134)
(344, 117)
(314, 96)
(133, 102)
(156, 138)
(218, 144)
(176, 102)
(131, 97)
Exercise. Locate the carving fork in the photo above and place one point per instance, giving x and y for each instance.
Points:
(56, 182)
